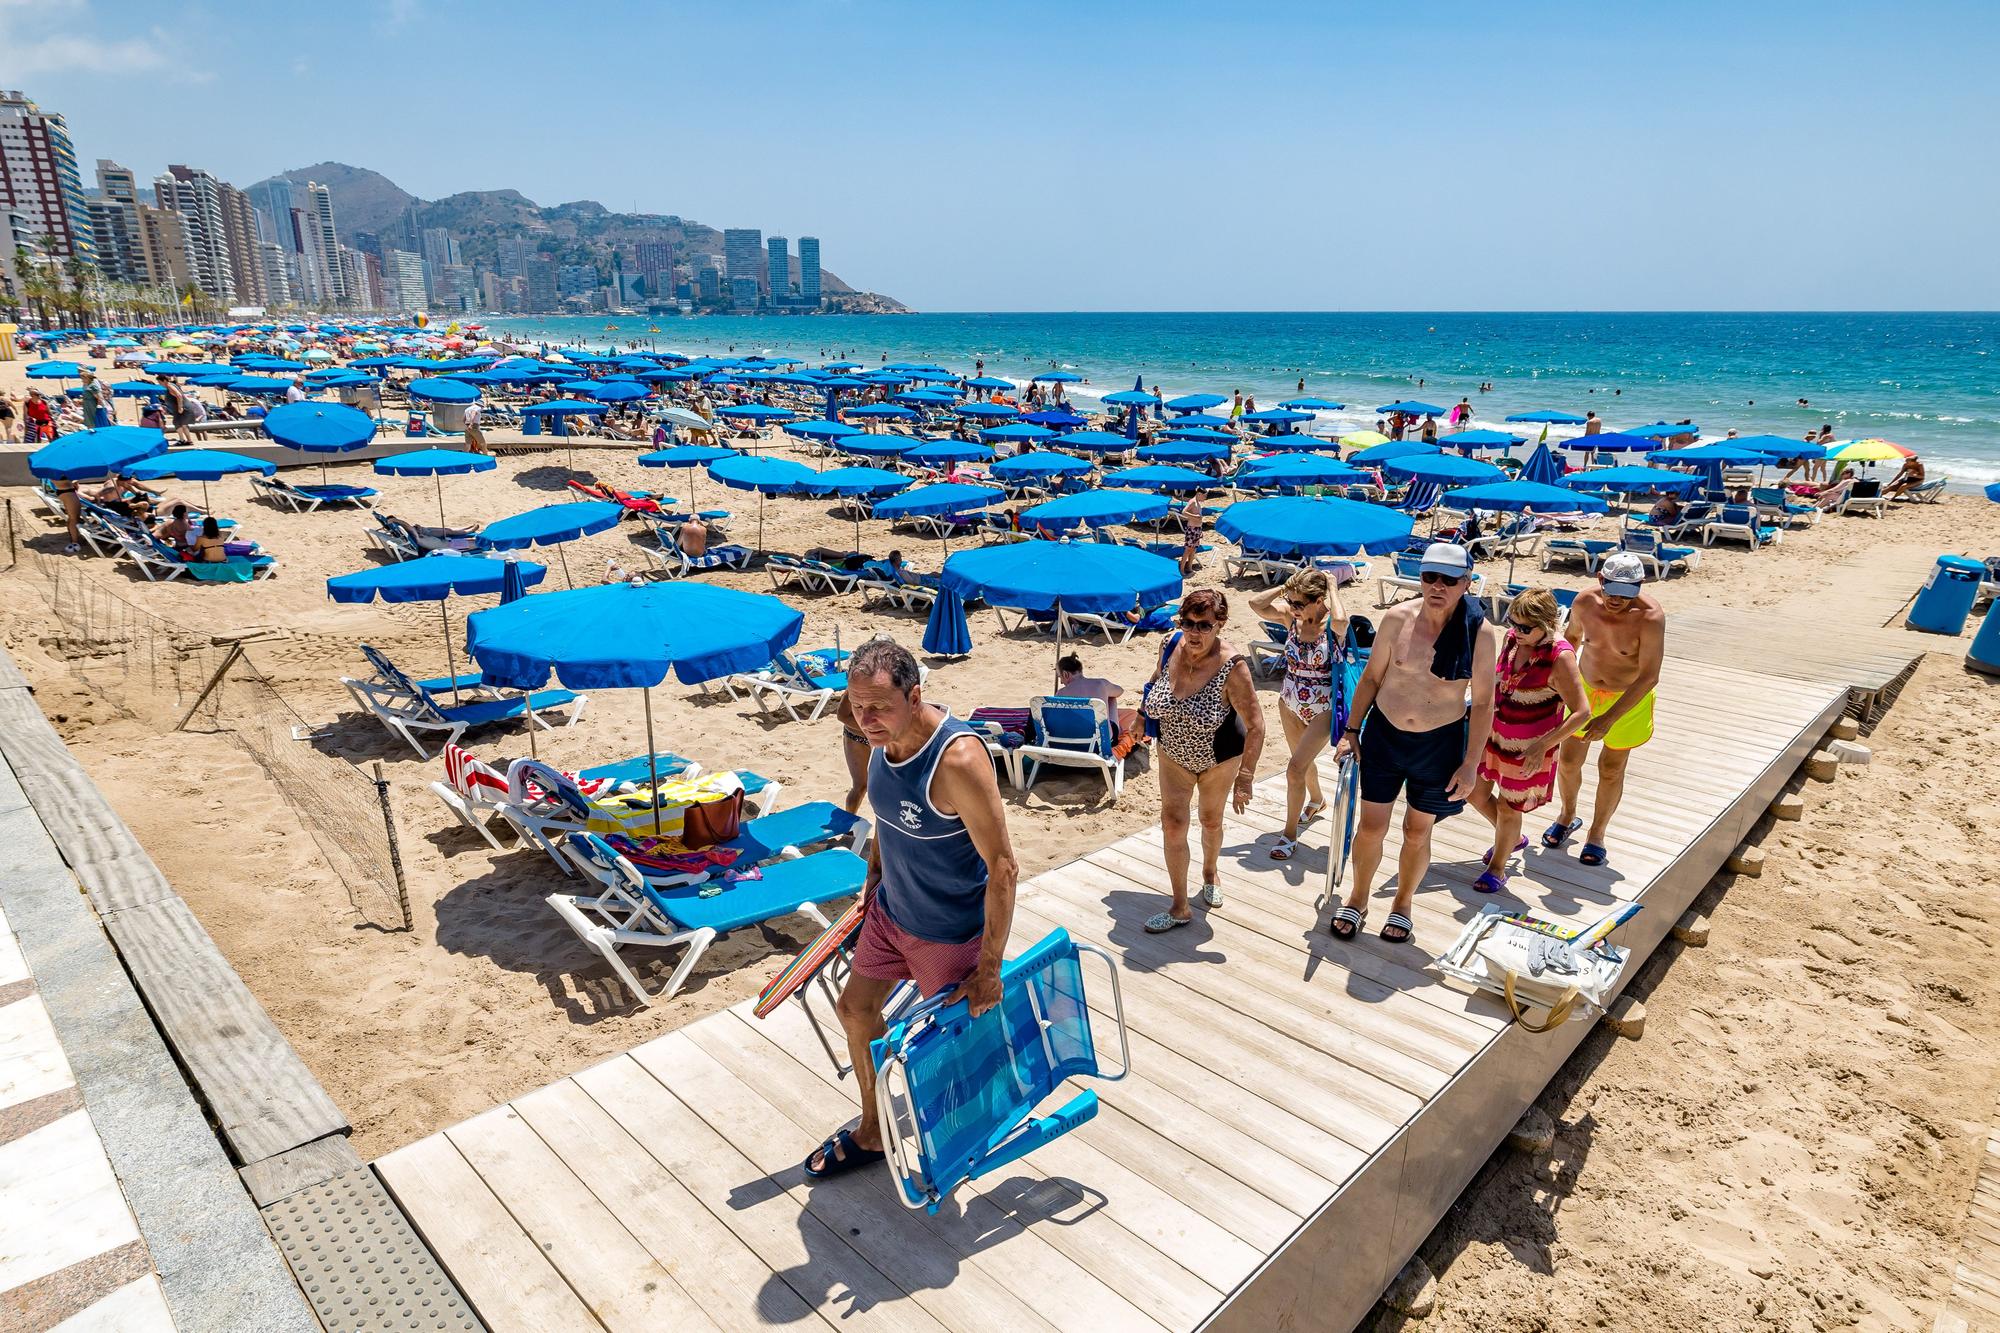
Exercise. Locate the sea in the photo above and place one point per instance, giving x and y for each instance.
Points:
(1930, 382)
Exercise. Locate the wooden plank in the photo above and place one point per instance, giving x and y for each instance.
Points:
(710, 1264)
(958, 1293)
(815, 1262)
(1108, 1234)
(495, 1264)
(624, 1286)
(278, 1178)
(264, 1099)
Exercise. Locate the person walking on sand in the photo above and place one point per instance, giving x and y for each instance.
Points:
(1211, 734)
(475, 438)
(1620, 635)
(1193, 517)
(1308, 702)
(1414, 733)
(1538, 702)
(938, 901)
(1592, 423)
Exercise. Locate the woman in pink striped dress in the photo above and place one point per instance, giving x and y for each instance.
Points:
(1540, 701)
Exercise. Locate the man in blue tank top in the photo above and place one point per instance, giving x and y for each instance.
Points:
(939, 900)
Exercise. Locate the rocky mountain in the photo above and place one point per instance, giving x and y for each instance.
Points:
(582, 231)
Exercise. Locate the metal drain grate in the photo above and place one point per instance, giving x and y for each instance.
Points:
(358, 1262)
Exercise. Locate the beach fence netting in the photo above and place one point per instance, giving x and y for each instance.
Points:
(178, 680)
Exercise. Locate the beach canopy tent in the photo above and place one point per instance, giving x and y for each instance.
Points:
(1093, 509)
(1445, 469)
(1195, 402)
(85, 455)
(432, 578)
(1092, 441)
(1305, 526)
(435, 464)
(1545, 418)
(630, 636)
(1161, 477)
(1176, 450)
(1040, 464)
(1411, 408)
(1295, 471)
(944, 453)
(1313, 405)
(1044, 576)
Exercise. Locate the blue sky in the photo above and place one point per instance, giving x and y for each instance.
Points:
(1749, 155)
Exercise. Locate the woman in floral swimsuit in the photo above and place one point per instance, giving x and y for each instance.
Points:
(1538, 702)
(1315, 655)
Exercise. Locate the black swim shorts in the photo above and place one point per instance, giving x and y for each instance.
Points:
(1424, 761)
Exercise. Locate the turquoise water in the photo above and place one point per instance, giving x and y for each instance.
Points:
(1928, 381)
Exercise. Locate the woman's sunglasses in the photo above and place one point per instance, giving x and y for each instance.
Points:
(1200, 626)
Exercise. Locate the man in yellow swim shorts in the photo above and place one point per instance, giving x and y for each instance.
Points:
(1620, 636)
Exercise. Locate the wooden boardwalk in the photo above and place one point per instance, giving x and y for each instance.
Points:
(1973, 1302)
(1301, 1112)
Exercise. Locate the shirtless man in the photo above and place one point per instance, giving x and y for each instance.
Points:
(1620, 635)
(693, 537)
(1419, 733)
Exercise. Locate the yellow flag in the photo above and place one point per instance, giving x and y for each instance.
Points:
(188, 299)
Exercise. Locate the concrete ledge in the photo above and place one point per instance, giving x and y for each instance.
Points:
(217, 1265)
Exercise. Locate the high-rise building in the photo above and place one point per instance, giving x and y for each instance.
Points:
(440, 253)
(277, 274)
(709, 282)
(114, 224)
(743, 254)
(163, 243)
(274, 204)
(809, 271)
(655, 262)
(321, 216)
(196, 196)
(743, 295)
(457, 289)
(404, 277)
(576, 280)
(544, 292)
(367, 242)
(239, 232)
(780, 267)
(512, 259)
(39, 180)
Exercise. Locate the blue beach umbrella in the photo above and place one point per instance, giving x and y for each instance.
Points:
(1412, 408)
(766, 476)
(54, 370)
(1094, 577)
(1194, 402)
(1297, 471)
(1094, 509)
(757, 412)
(1131, 398)
(1189, 419)
(258, 386)
(1204, 434)
(1520, 496)
(1773, 446)
(1613, 442)
(1545, 418)
(1542, 466)
(202, 465)
(1445, 469)
(921, 398)
(858, 483)
(1055, 418)
(1277, 416)
(1016, 430)
(882, 412)
(1161, 477)
(821, 430)
(1313, 405)
(630, 636)
(617, 391)
(988, 411)
(84, 455)
(137, 389)
(1058, 377)
(1303, 526)
(1294, 442)
(1664, 430)
(943, 453)
(1466, 441)
(876, 446)
(1092, 442)
(989, 382)
(687, 455)
(945, 497)
(433, 578)
(1183, 451)
(1039, 464)
(946, 633)
(320, 428)
(1633, 479)
(1726, 453)
(551, 525)
(435, 464)
(173, 369)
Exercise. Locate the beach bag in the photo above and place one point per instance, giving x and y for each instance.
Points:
(709, 822)
(1147, 721)
(1570, 971)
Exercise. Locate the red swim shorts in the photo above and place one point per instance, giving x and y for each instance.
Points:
(887, 952)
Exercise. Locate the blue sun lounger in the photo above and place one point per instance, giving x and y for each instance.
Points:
(958, 1094)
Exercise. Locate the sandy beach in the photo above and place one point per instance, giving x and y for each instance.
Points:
(1791, 1144)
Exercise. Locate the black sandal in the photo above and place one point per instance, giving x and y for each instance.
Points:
(1397, 921)
(1351, 917)
(839, 1155)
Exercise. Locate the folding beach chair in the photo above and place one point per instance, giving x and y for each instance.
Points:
(631, 911)
(958, 1094)
(1740, 522)
(1865, 497)
(1071, 733)
(387, 673)
(1659, 558)
(803, 684)
(542, 803)
(1578, 550)
(676, 563)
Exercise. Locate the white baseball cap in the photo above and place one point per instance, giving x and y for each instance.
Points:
(1448, 559)
(1621, 573)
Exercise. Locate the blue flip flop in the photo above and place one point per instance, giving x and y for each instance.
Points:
(1556, 834)
(1592, 855)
